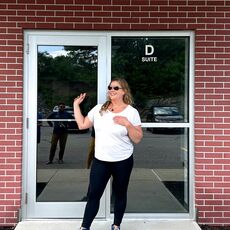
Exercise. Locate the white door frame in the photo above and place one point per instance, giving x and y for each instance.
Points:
(33, 38)
(31, 208)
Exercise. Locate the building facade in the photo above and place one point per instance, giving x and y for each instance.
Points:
(176, 57)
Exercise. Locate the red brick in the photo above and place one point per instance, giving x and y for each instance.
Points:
(222, 208)
(83, 2)
(102, 2)
(204, 173)
(26, 1)
(84, 26)
(55, 19)
(84, 14)
(65, 2)
(102, 26)
(121, 14)
(93, 20)
(213, 191)
(213, 214)
(139, 27)
(140, 2)
(140, 14)
(157, 26)
(222, 196)
(92, 8)
(112, 20)
(204, 184)
(41, 2)
(37, 7)
(158, 14)
(65, 26)
(26, 25)
(102, 14)
(222, 20)
(112, 8)
(121, 26)
(213, 167)
(121, 2)
(205, 220)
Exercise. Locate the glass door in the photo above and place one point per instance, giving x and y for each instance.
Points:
(59, 69)
(157, 69)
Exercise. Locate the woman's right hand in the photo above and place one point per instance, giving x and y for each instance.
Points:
(78, 100)
(83, 122)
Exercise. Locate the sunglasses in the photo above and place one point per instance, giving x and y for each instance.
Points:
(115, 88)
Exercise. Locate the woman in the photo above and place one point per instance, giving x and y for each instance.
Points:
(117, 124)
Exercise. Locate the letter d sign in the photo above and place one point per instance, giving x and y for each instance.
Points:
(149, 49)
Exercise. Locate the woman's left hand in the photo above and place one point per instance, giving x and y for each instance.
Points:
(120, 120)
(134, 132)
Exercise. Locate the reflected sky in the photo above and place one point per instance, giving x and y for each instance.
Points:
(54, 51)
(50, 49)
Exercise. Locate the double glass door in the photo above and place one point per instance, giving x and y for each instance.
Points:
(60, 66)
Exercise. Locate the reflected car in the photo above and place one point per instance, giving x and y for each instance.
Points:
(165, 114)
(72, 125)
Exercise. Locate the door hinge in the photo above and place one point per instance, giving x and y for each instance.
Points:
(27, 122)
(26, 198)
(27, 48)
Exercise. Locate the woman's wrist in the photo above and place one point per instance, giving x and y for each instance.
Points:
(128, 125)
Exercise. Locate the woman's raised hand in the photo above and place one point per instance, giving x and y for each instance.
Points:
(78, 100)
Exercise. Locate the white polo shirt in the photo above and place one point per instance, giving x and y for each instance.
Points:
(112, 142)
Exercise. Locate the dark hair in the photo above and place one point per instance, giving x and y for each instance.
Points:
(128, 99)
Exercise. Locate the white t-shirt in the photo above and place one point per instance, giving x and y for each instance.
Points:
(112, 142)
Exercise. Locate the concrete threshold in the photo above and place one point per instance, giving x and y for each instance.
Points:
(106, 225)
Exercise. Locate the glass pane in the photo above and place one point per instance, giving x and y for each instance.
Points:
(159, 181)
(63, 71)
(156, 69)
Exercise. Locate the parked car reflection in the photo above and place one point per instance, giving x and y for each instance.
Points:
(165, 114)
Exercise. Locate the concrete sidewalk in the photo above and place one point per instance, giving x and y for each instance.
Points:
(147, 192)
(106, 225)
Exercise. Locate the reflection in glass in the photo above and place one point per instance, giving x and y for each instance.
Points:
(63, 73)
(156, 69)
(159, 180)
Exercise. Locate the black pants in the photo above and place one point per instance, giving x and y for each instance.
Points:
(62, 138)
(101, 172)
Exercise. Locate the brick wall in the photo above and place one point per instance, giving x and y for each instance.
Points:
(210, 19)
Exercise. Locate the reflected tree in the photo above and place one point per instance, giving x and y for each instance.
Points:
(62, 77)
(149, 80)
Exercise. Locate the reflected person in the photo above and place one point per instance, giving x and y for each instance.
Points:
(60, 132)
(117, 126)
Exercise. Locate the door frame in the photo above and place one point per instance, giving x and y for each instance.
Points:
(32, 36)
(31, 208)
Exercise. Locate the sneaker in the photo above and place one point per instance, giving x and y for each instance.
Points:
(49, 162)
(82, 228)
(113, 227)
